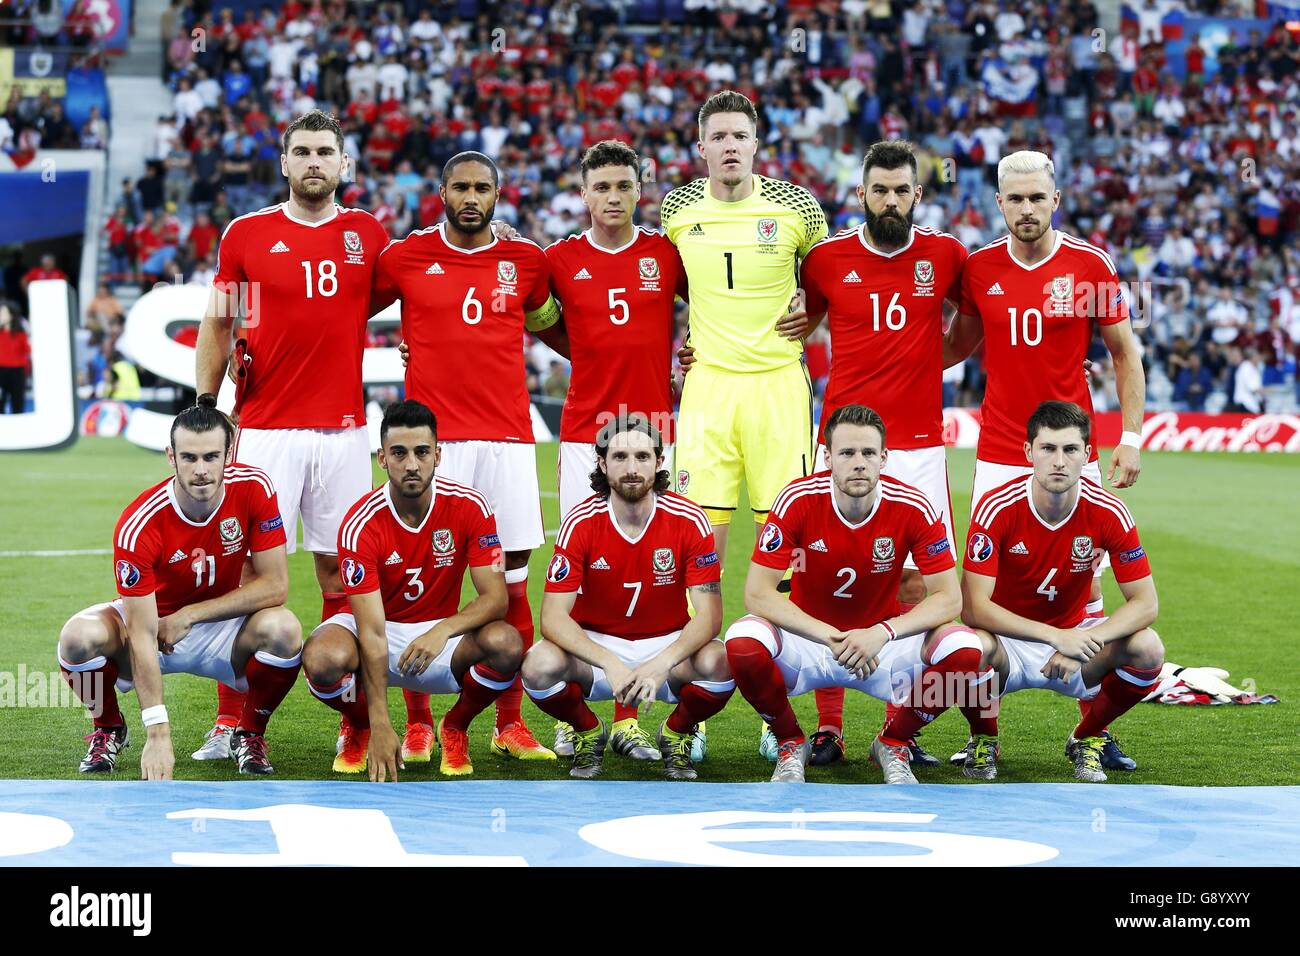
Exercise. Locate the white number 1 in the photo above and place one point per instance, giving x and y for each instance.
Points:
(210, 562)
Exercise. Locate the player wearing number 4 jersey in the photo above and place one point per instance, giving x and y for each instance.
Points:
(615, 616)
(178, 553)
(1032, 545)
(303, 272)
(405, 548)
(844, 534)
(467, 298)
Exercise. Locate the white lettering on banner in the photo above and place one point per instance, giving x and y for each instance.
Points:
(54, 421)
(1162, 432)
(696, 838)
(23, 833)
(324, 836)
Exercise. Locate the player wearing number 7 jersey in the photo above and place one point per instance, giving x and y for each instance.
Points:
(1030, 552)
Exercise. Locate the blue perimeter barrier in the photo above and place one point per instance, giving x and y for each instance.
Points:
(271, 823)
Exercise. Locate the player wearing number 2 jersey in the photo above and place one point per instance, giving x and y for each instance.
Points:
(467, 298)
(1032, 545)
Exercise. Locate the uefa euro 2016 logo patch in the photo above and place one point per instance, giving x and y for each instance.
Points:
(980, 548)
(353, 572)
(771, 539)
(128, 575)
(559, 569)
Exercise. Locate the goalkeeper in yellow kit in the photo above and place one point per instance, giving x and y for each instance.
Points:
(746, 409)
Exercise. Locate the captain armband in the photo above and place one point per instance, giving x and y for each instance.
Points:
(544, 317)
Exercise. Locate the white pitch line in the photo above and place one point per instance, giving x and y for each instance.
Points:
(55, 554)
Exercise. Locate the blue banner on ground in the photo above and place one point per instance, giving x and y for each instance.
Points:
(517, 823)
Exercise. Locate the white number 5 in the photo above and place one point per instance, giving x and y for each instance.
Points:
(616, 303)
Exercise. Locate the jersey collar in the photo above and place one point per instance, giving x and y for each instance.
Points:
(284, 208)
(835, 506)
(911, 237)
(609, 508)
(388, 497)
(442, 233)
(176, 505)
(636, 234)
(1078, 493)
(1041, 262)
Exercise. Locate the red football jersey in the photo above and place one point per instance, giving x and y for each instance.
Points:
(159, 551)
(885, 312)
(847, 575)
(463, 317)
(1037, 326)
(633, 589)
(1044, 573)
(418, 571)
(308, 291)
(618, 311)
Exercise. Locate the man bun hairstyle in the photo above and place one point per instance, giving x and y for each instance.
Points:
(1058, 416)
(408, 414)
(854, 415)
(633, 422)
(202, 418)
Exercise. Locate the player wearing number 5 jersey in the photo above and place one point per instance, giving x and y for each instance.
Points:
(1030, 553)
(467, 298)
(746, 408)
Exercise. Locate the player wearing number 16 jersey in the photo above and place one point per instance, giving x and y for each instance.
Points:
(467, 298)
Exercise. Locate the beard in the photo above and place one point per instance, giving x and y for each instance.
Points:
(1030, 232)
(473, 227)
(633, 493)
(889, 228)
(316, 190)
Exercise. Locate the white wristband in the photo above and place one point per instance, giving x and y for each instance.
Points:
(154, 715)
(1132, 439)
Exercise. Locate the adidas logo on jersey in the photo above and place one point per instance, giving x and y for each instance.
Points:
(394, 558)
(178, 556)
(696, 230)
(280, 247)
(852, 276)
(818, 545)
(600, 564)
(583, 273)
(433, 270)
(996, 289)
(1020, 548)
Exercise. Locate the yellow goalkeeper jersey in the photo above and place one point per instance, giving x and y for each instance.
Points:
(742, 262)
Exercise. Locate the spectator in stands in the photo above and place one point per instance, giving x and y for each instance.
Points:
(187, 103)
(117, 228)
(15, 359)
(1192, 385)
(56, 131)
(150, 187)
(48, 268)
(104, 311)
(557, 381)
(1248, 382)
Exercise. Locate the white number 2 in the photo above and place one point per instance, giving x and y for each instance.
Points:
(843, 590)
(1043, 589)
(414, 575)
(636, 593)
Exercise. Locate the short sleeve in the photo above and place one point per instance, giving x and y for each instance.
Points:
(230, 257)
(564, 573)
(931, 549)
(814, 221)
(541, 290)
(683, 284)
(484, 544)
(702, 564)
(268, 526)
(1110, 305)
(776, 541)
(358, 566)
(1128, 559)
(959, 257)
(981, 551)
(966, 304)
(133, 568)
(814, 295)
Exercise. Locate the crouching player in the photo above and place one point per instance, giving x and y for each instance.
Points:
(614, 615)
(178, 552)
(845, 536)
(403, 551)
(1030, 553)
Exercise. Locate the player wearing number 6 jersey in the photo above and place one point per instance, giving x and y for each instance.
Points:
(1030, 554)
(615, 616)
(405, 548)
(467, 298)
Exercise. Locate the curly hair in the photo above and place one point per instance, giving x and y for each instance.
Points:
(634, 422)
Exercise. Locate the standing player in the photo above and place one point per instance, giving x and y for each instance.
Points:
(178, 552)
(617, 284)
(1034, 296)
(614, 615)
(845, 534)
(746, 407)
(885, 288)
(1030, 553)
(467, 298)
(302, 273)
(405, 547)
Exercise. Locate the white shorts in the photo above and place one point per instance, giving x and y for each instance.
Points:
(630, 653)
(925, 469)
(504, 472)
(576, 463)
(1026, 660)
(320, 472)
(806, 665)
(206, 651)
(989, 475)
(437, 677)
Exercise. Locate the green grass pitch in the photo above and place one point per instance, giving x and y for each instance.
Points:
(1221, 529)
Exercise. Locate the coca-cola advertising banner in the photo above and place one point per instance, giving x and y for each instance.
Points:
(1163, 431)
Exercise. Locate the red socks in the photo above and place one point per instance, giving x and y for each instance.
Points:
(939, 685)
(520, 616)
(830, 707)
(565, 704)
(230, 705)
(1120, 690)
(95, 687)
(623, 712)
(417, 707)
(759, 681)
(697, 703)
(333, 602)
(983, 718)
(347, 698)
(481, 686)
(270, 679)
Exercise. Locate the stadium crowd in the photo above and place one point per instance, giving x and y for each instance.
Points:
(1190, 184)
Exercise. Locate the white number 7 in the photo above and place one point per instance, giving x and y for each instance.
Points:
(636, 593)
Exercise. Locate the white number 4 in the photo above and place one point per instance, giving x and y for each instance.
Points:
(1043, 589)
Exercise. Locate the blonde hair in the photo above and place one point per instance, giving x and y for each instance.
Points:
(1026, 161)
